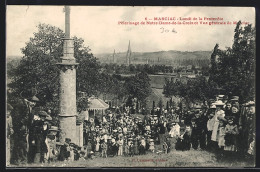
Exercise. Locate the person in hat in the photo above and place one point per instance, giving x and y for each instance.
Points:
(38, 135)
(234, 98)
(162, 131)
(194, 134)
(131, 148)
(126, 146)
(247, 130)
(91, 155)
(22, 118)
(221, 139)
(231, 131)
(64, 150)
(97, 143)
(201, 122)
(10, 131)
(235, 112)
(72, 152)
(120, 143)
(220, 114)
(104, 149)
(210, 125)
(165, 146)
(136, 145)
(86, 130)
(174, 133)
(142, 146)
(51, 155)
(228, 109)
(151, 143)
(184, 140)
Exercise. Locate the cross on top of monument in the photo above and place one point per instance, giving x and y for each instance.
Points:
(66, 9)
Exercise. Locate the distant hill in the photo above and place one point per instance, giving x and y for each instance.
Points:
(160, 57)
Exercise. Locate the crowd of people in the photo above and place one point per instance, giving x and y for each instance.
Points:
(225, 128)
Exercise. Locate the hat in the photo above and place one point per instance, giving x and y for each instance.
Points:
(225, 97)
(193, 119)
(54, 128)
(42, 113)
(29, 94)
(34, 99)
(197, 107)
(72, 144)
(59, 143)
(221, 96)
(213, 107)
(250, 103)
(48, 118)
(67, 140)
(91, 120)
(91, 152)
(211, 114)
(151, 140)
(9, 107)
(230, 117)
(218, 103)
(234, 98)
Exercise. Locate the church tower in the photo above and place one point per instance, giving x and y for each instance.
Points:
(114, 54)
(128, 55)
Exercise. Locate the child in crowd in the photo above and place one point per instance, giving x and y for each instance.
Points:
(71, 156)
(210, 124)
(97, 143)
(231, 131)
(221, 138)
(104, 149)
(151, 148)
(126, 151)
(142, 146)
(184, 140)
(131, 148)
(120, 146)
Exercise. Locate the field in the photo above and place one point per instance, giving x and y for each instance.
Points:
(192, 158)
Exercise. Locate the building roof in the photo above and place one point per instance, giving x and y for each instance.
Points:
(96, 104)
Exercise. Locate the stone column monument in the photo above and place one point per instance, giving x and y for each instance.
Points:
(67, 106)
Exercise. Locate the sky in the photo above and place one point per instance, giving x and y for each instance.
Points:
(98, 26)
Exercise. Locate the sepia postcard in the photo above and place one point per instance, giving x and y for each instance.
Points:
(130, 86)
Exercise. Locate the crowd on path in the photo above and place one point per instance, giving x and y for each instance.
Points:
(226, 128)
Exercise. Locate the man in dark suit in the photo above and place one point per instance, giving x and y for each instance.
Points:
(22, 119)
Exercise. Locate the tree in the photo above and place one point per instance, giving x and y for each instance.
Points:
(138, 86)
(160, 104)
(194, 90)
(37, 68)
(234, 69)
(167, 106)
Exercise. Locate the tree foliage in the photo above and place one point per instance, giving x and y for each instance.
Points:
(232, 72)
(37, 68)
(138, 86)
(234, 68)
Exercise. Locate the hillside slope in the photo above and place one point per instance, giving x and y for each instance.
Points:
(160, 57)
